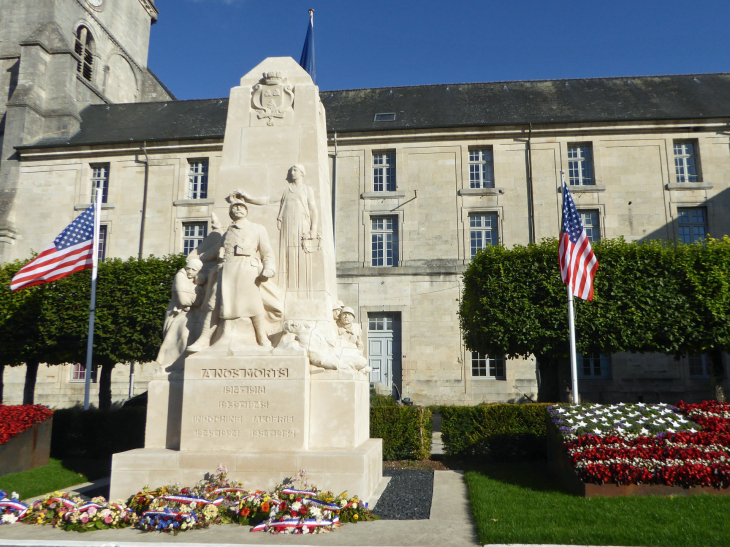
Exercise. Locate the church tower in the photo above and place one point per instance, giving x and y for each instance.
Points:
(57, 57)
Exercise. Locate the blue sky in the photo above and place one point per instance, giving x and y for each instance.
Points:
(201, 48)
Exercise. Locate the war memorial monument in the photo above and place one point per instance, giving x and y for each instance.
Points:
(261, 369)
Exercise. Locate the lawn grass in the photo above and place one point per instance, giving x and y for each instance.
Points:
(521, 503)
(47, 478)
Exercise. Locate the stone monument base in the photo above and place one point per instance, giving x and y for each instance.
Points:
(356, 471)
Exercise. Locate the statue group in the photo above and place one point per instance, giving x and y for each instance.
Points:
(234, 274)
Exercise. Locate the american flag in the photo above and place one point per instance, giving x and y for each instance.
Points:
(578, 264)
(72, 251)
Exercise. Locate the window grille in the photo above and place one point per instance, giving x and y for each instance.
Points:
(485, 367)
(193, 235)
(78, 373)
(384, 241)
(483, 231)
(198, 179)
(385, 117)
(481, 168)
(593, 365)
(591, 224)
(692, 223)
(100, 179)
(685, 162)
(101, 250)
(384, 172)
(699, 366)
(580, 165)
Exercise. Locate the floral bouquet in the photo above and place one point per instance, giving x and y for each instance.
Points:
(218, 500)
(683, 445)
(70, 512)
(11, 509)
(14, 419)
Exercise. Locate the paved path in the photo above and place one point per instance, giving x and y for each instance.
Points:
(450, 525)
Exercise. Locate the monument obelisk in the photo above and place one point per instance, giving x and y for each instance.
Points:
(268, 388)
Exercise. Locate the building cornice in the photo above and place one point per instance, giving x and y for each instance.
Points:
(149, 6)
(521, 131)
(168, 147)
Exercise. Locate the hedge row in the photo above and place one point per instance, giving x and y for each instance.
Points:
(96, 433)
(405, 430)
(500, 432)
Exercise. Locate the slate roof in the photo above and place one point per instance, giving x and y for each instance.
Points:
(625, 99)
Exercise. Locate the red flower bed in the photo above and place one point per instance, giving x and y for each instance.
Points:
(673, 458)
(16, 419)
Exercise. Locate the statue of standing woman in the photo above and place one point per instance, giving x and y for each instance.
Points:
(298, 222)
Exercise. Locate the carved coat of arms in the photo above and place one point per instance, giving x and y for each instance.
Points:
(272, 97)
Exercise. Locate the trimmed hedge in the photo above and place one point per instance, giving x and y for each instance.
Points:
(96, 433)
(501, 432)
(405, 430)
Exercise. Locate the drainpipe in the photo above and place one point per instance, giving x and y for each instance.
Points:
(530, 196)
(334, 197)
(144, 198)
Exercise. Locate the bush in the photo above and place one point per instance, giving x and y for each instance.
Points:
(405, 430)
(501, 432)
(96, 433)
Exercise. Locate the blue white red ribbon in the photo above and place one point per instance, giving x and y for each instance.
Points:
(21, 507)
(189, 499)
(298, 492)
(295, 523)
(323, 504)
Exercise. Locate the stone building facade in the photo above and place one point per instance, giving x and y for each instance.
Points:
(56, 58)
(422, 177)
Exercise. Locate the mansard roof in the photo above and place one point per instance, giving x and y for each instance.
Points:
(624, 99)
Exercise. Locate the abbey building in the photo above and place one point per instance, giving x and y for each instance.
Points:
(422, 178)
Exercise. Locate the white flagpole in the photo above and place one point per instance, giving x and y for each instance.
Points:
(571, 326)
(92, 306)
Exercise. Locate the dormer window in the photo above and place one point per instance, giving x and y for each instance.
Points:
(84, 49)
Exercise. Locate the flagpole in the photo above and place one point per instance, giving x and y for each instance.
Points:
(571, 328)
(92, 305)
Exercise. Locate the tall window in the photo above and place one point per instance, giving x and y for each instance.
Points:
(699, 366)
(384, 172)
(84, 49)
(593, 365)
(482, 231)
(685, 162)
(193, 235)
(580, 165)
(100, 179)
(485, 367)
(692, 223)
(198, 179)
(101, 250)
(78, 373)
(591, 224)
(481, 168)
(384, 241)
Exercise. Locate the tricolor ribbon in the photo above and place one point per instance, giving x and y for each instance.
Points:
(295, 523)
(188, 499)
(298, 492)
(23, 508)
(323, 504)
(229, 490)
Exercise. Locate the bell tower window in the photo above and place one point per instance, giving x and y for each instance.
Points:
(85, 50)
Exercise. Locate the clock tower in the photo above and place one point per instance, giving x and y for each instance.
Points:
(57, 57)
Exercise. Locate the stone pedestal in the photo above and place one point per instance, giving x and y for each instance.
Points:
(265, 417)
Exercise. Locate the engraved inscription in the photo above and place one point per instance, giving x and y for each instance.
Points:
(218, 419)
(217, 433)
(218, 373)
(243, 404)
(273, 419)
(272, 433)
(236, 390)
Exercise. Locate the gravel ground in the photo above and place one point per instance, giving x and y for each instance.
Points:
(408, 495)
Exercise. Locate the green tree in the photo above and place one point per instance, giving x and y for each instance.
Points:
(648, 297)
(131, 299)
